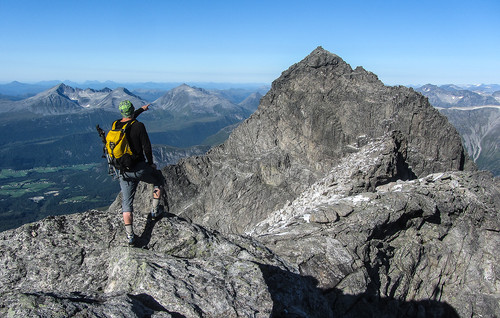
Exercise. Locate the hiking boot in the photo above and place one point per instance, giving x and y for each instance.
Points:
(155, 215)
(131, 239)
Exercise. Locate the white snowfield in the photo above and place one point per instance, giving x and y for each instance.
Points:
(470, 107)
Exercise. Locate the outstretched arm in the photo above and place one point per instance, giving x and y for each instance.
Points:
(140, 110)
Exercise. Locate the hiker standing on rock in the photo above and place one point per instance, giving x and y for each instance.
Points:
(141, 167)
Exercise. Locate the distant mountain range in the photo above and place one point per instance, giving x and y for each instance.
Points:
(233, 91)
(187, 116)
(455, 96)
(183, 100)
(63, 99)
(40, 129)
(474, 110)
(485, 88)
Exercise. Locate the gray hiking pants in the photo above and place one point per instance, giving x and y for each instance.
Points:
(130, 179)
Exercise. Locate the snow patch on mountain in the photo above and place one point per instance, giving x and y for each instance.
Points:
(334, 188)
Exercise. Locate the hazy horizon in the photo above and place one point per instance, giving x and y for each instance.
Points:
(208, 83)
(403, 43)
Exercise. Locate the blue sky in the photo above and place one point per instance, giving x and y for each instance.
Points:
(403, 42)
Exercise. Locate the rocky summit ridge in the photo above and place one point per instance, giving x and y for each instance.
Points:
(316, 113)
(338, 197)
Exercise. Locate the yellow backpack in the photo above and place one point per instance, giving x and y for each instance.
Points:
(118, 148)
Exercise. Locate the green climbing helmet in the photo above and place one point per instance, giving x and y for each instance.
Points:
(126, 108)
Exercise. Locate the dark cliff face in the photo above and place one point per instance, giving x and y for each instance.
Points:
(317, 112)
(320, 105)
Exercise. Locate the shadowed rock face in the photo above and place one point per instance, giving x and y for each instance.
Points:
(329, 217)
(316, 113)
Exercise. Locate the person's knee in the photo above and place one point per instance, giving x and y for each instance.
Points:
(127, 204)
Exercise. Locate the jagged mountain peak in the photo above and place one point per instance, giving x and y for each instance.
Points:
(188, 101)
(322, 101)
(56, 100)
(252, 101)
(184, 86)
(317, 59)
(112, 99)
(123, 90)
(61, 88)
(320, 57)
(312, 117)
(104, 90)
(189, 90)
(253, 96)
(452, 87)
(328, 62)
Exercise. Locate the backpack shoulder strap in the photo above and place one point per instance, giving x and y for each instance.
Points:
(113, 126)
(127, 125)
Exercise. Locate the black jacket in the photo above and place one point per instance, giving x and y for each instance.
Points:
(138, 139)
